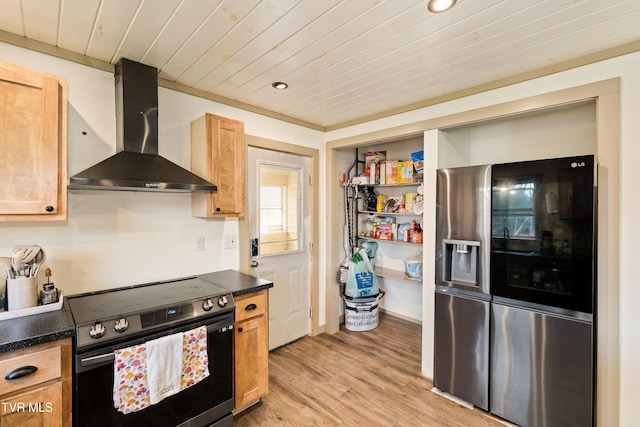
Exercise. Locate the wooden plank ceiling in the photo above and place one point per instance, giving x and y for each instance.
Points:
(345, 60)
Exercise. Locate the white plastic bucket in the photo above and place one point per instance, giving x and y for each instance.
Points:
(361, 314)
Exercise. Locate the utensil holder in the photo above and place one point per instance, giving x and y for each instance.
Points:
(22, 292)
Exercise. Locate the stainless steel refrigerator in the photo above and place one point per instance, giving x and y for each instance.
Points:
(515, 286)
(462, 298)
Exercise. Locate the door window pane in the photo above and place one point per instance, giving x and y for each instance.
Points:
(272, 207)
(280, 201)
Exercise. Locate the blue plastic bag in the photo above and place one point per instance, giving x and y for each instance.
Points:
(361, 282)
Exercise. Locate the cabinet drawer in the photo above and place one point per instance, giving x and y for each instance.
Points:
(248, 306)
(47, 361)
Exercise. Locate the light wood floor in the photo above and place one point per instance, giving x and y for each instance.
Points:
(351, 378)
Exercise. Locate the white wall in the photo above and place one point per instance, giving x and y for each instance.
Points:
(628, 69)
(120, 238)
(569, 131)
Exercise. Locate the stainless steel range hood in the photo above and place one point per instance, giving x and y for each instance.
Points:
(136, 166)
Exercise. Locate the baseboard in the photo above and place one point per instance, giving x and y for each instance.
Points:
(400, 316)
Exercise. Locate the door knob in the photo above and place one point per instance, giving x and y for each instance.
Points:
(254, 264)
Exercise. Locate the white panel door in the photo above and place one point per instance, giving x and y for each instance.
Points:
(279, 214)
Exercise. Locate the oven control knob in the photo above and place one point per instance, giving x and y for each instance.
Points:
(97, 330)
(222, 301)
(207, 304)
(121, 325)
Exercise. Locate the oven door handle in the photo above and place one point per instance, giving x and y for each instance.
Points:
(110, 357)
(95, 360)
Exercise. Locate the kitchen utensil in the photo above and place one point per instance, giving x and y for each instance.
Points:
(37, 262)
(5, 262)
(28, 252)
(24, 270)
(17, 259)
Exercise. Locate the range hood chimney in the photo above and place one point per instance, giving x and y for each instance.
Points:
(136, 166)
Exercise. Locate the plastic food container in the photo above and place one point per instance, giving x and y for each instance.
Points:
(413, 266)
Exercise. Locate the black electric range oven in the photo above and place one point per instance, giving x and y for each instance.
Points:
(115, 319)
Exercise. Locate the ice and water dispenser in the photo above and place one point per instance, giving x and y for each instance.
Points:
(460, 264)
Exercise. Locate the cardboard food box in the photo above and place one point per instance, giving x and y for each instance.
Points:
(392, 172)
(418, 161)
(373, 157)
(405, 172)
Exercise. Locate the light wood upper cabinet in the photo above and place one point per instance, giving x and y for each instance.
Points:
(217, 155)
(33, 145)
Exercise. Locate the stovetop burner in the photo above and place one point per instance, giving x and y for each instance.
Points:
(110, 315)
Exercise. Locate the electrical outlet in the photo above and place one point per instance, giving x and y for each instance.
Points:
(230, 241)
(199, 243)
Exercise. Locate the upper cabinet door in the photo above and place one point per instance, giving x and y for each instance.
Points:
(33, 132)
(217, 155)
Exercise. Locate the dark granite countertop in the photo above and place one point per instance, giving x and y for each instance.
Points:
(36, 329)
(41, 328)
(237, 283)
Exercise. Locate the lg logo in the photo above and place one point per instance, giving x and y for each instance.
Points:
(578, 164)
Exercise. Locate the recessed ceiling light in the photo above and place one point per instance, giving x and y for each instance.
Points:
(437, 6)
(280, 85)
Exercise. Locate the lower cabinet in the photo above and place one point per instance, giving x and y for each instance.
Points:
(39, 407)
(39, 393)
(251, 349)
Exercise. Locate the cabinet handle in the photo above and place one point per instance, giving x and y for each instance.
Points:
(20, 372)
(49, 208)
(239, 329)
(217, 209)
(250, 307)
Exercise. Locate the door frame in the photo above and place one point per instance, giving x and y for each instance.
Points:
(243, 223)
